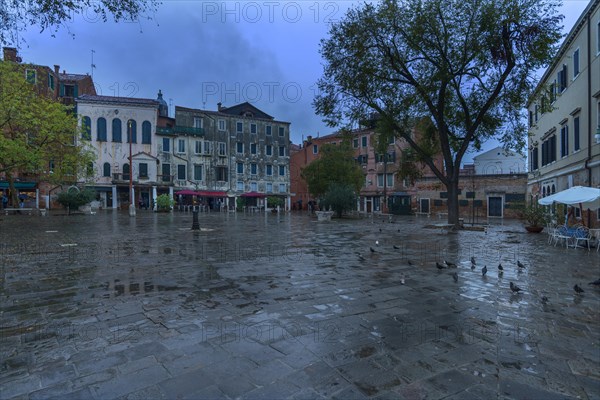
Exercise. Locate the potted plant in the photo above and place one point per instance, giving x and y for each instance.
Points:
(535, 216)
(164, 203)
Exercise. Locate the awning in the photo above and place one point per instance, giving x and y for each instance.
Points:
(201, 193)
(575, 195)
(18, 185)
(253, 194)
(101, 188)
(209, 193)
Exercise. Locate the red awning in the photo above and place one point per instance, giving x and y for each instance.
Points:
(201, 193)
(253, 194)
(209, 193)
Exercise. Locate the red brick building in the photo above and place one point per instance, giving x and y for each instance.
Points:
(65, 87)
(380, 171)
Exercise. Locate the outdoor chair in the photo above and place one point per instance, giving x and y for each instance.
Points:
(562, 233)
(552, 231)
(595, 234)
(581, 234)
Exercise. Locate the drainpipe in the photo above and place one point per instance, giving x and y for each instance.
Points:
(589, 99)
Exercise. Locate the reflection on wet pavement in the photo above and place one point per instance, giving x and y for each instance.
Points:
(283, 306)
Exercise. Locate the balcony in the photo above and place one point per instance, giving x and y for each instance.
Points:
(165, 178)
(180, 130)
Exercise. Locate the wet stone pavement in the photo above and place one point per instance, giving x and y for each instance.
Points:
(259, 306)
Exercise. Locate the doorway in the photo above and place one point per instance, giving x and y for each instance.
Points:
(495, 206)
(424, 203)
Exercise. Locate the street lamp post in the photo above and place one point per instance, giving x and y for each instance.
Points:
(131, 204)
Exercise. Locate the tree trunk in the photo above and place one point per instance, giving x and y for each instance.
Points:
(13, 192)
(453, 210)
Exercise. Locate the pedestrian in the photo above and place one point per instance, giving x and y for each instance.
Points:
(4, 201)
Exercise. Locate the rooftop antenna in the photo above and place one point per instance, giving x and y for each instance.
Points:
(93, 65)
(171, 106)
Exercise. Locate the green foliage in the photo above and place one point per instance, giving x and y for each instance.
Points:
(37, 133)
(336, 165)
(466, 64)
(534, 214)
(340, 198)
(164, 202)
(274, 201)
(73, 198)
(17, 15)
(240, 203)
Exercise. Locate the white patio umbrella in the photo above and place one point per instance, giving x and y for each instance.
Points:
(587, 196)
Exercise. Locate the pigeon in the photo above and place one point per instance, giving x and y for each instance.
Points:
(450, 264)
(455, 277)
(379, 229)
(473, 260)
(578, 289)
(396, 247)
(500, 268)
(484, 270)
(439, 266)
(515, 288)
(544, 299)
(596, 282)
(372, 249)
(410, 262)
(377, 243)
(520, 264)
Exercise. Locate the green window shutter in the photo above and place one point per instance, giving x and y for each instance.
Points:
(75, 91)
(62, 89)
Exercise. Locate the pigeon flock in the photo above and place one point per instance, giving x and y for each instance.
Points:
(449, 264)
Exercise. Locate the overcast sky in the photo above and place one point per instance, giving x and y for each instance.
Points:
(200, 53)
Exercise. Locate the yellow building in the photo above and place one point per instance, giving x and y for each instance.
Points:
(564, 114)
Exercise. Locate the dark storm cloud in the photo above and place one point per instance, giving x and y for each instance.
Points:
(203, 52)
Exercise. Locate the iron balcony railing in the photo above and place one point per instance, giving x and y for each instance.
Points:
(178, 129)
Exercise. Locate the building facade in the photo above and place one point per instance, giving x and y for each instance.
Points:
(234, 152)
(109, 123)
(564, 114)
(499, 161)
(383, 190)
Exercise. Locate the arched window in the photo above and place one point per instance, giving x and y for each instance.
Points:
(125, 172)
(544, 191)
(116, 130)
(106, 169)
(132, 127)
(553, 189)
(86, 125)
(101, 129)
(146, 132)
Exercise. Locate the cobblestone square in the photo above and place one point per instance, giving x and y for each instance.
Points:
(280, 306)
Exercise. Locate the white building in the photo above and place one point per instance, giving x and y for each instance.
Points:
(110, 121)
(564, 113)
(499, 161)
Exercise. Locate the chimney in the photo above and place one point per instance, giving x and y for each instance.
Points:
(10, 54)
(219, 106)
(56, 69)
